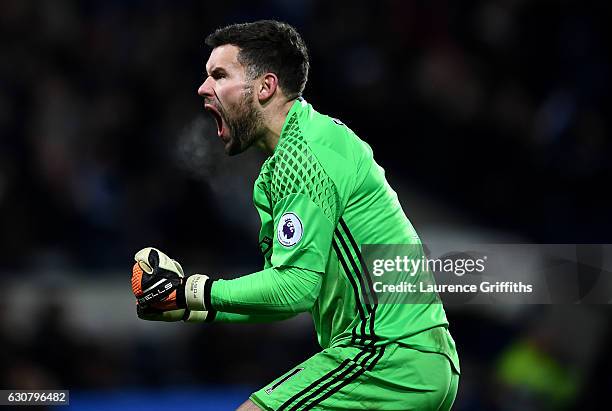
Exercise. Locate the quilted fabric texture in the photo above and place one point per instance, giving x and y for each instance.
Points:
(294, 169)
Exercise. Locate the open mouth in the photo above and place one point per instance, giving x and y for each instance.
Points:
(217, 116)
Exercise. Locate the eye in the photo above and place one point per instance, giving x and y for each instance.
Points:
(218, 74)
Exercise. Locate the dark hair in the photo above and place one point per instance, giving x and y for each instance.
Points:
(268, 46)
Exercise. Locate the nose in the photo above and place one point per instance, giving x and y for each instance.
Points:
(206, 89)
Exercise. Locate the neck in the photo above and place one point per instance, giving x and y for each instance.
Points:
(273, 119)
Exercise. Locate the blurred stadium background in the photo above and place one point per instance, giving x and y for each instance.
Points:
(491, 118)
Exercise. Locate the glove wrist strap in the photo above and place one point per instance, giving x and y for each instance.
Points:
(197, 292)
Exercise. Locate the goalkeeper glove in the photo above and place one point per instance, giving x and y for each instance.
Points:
(159, 282)
(156, 279)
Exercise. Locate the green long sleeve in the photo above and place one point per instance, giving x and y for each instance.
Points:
(285, 290)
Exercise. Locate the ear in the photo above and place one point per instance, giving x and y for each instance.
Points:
(267, 87)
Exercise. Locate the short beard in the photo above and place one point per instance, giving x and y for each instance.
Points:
(245, 126)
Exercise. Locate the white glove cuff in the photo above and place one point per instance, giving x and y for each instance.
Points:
(197, 292)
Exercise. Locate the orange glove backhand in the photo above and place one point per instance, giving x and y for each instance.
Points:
(157, 280)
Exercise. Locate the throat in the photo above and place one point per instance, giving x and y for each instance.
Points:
(268, 141)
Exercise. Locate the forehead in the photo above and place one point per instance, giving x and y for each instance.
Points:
(225, 57)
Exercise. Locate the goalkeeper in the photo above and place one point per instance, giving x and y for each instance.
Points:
(320, 196)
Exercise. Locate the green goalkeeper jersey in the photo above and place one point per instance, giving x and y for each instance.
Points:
(321, 196)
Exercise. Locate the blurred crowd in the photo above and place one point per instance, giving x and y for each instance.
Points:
(497, 109)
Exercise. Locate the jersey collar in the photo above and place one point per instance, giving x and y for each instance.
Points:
(298, 107)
